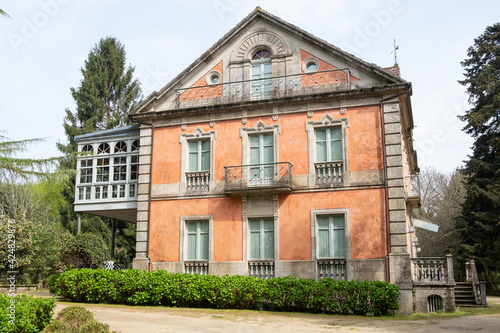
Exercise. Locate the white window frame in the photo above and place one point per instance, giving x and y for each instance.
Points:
(314, 231)
(197, 135)
(184, 235)
(92, 191)
(327, 121)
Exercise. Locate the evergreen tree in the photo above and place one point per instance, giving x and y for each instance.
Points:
(12, 167)
(479, 223)
(106, 95)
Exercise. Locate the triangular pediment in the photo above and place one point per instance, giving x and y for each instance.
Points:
(294, 53)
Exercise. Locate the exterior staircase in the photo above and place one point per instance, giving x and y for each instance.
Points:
(464, 295)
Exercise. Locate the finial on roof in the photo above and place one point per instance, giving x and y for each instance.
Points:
(258, 8)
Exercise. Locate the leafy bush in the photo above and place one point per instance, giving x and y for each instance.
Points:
(85, 250)
(135, 287)
(76, 319)
(492, 279)
(27, 314)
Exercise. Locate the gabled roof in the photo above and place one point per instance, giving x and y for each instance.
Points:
(260, 13)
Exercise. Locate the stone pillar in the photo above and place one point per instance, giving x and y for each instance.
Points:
(399, 258)
(141, 260)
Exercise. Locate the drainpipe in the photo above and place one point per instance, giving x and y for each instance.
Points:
(386, 184)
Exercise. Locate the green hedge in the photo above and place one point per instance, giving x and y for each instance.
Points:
(27, 314)
(135, 287)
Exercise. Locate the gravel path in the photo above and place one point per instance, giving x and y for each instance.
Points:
(157, 320)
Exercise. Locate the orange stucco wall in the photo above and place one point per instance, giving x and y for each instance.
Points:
(165, 234)
(366, 221)
(366, 206)
(323, 66)
(363, 143)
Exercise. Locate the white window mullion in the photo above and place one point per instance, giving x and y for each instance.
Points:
(199, 152)
(328, 145)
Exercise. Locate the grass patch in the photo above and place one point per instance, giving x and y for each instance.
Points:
(464, 311)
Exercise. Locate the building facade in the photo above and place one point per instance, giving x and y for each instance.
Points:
(273, 154)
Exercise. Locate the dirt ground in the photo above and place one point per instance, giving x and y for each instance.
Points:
(127, 319)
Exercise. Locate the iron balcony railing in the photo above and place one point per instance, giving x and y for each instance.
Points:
(273, 176)
(262, 89)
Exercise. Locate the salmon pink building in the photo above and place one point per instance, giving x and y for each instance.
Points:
(275, 153)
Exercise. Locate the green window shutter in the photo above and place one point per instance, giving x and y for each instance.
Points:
(193, 156)
(205, 155)
(323, 236)
(338, 225)
(268, 239)
(204, 233)
(268, 146)
(336, 143)
(254, 226)
(191, 247)
(321, 155)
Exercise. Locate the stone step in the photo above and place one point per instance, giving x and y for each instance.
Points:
(464, 295)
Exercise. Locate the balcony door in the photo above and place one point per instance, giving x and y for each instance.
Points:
(261, 75)
(261, 159)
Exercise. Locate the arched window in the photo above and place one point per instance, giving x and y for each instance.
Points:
(103, 148)
(262, 54)
(262, 72)
(88, 148)
(120, 147)
(135, 145)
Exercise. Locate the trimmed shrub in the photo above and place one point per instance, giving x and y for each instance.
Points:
(85, 250)
(135, 287)
(27, 314)
(76, 319)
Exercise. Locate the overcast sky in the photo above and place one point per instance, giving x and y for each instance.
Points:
(44, 44)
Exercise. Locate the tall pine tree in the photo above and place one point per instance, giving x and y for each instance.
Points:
(479, 223)
(106, 95)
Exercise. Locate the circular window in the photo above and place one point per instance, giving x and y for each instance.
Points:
(310, 65)
(213, 77)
